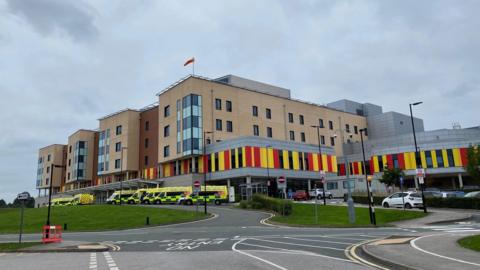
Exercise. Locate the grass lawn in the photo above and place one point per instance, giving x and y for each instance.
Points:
(471, 242)
(16, 246)
(337, 216)
(92, 217)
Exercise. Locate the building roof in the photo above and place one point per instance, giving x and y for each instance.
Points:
(168, 88)
(115, 113)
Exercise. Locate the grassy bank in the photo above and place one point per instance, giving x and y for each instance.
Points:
(93, 217)
(337, 216)
(7, 247)
(471, 242)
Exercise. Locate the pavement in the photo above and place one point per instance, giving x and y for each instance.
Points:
(234, 239)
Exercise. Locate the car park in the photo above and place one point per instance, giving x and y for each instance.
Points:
(400, 199)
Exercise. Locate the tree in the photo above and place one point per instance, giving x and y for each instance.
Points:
(391, 176)
(30, 203)
(3, 204)
(473, 162)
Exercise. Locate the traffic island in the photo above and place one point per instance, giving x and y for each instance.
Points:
(95, 218)
(470, 242)
(435, 251)
(337, 216)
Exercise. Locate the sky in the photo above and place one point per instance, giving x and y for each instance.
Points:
(66, 63)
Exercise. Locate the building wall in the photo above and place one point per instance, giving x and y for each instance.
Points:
(129, 120)
(243, 120)
(52, 154)
(148, 143)
(89, 153)
(392, 124)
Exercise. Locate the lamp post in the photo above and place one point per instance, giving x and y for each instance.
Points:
(205, 168)
(121, 171)
(50, 188)
(417, 154)
(371, 207)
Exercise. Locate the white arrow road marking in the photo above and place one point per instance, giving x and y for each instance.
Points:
(255, 257)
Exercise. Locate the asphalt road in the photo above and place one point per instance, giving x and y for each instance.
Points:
(234, 239)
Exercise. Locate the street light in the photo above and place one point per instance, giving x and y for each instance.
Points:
(321, 162)
(417, 155)
(121, 171)
(371, 207)
(50, 192)
(205, 170)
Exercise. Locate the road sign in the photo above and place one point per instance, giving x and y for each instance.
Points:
(420, 173)
(23, 196)
(421, 181)
(281, 182)
(401, 180)
(196, 184)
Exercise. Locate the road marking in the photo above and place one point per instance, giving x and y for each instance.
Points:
(110, 262)
(302, 245)
(462, 231)
(414, 245)
(350, 253)
(313, 240)
(93, 261)
(255, 257)
(296, 251)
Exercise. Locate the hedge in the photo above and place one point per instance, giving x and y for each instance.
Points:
(462, 203)
(282, 207)
(364, 199)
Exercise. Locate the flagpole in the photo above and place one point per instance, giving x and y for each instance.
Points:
(193, 68)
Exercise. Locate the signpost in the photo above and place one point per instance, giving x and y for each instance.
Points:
(282, 185)
(421, 175)
(22, 197)
(403, 195)
(196, 190)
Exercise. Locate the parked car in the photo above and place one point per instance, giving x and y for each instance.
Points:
(399, 199)
(301, 195)
(452, 194)
(433, 194)
(318, 193)
(473, 194)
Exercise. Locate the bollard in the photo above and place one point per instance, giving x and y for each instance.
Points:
(148, 221)
(64, 226)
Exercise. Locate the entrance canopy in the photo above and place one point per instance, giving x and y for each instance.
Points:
(127, 184)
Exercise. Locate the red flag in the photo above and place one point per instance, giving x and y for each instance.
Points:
(189, 61)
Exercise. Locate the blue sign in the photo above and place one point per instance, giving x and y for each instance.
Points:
(401, 180)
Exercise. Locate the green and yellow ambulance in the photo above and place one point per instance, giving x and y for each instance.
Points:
(138, 196)
(62, 201)
(123, 196)
(83, 199)
(166, 195)
(213, 194)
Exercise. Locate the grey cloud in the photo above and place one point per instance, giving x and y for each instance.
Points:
(46, 16)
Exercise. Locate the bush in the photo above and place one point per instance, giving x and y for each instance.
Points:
(282, 207)
(377, 200)
(463, 203)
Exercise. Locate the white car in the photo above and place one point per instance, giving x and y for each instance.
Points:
(318, 192)
(410, 199)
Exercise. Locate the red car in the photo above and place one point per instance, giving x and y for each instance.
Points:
(301, 195)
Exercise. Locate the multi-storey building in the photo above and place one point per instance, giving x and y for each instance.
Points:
(118, 147)
(47, 174)
(82, 151)
(237, 132)
(148, 142)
